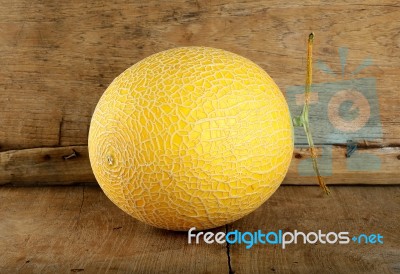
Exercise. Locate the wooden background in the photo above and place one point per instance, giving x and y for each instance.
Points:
(57, 58)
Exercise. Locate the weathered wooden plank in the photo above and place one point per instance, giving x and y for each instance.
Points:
(71, 229)
(365, 166)
(58, 58)
(77, 229)
(53, 166)
(353, 209)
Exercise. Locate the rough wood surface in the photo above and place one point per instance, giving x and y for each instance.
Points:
(70, 164)
(77, 229)
(58, 58)
(353, 209)
(56, 165)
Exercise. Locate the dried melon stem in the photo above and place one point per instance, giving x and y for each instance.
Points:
(303, 120)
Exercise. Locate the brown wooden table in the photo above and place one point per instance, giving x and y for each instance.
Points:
(77, 229)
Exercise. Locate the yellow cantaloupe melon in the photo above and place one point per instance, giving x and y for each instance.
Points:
(191, 137)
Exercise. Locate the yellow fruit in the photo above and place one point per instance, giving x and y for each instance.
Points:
(191, 137)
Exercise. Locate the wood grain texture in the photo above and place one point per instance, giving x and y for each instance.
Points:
(77, 229)
(365, 166)
(59, 165)
(58, 58)
(353, 209)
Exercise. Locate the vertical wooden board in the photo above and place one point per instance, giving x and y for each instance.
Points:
(77, 229)
(307, 209)
(58, 58)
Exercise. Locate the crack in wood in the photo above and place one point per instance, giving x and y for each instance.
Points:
(366, 145)
(228, 246)
(44, 147)
(60, 131)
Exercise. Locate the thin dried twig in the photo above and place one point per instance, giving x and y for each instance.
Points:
(303, 120)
